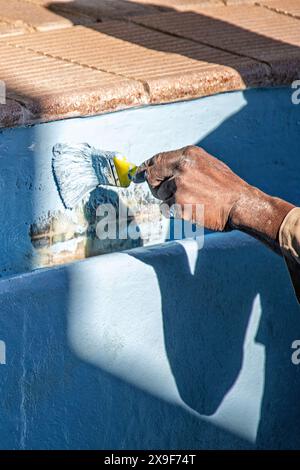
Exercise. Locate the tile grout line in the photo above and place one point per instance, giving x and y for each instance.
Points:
(218, 48)
(142, 82)
(275, 10)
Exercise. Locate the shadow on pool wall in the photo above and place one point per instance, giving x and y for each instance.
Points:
(206, 314)
(218, 297)
(234, 291)
(229, 323)
(205, 333)
(272, 148)
(260, 143)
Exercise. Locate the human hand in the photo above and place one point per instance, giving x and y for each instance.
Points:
(191, 176)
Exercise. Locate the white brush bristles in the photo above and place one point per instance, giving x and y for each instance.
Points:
(74, 173)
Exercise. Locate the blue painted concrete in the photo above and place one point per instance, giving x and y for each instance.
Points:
(165, 347)
(256, 132)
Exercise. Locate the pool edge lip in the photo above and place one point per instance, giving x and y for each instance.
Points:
(18, 115)
(212, 241)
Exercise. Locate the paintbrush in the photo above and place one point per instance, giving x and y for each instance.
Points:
(78, 169)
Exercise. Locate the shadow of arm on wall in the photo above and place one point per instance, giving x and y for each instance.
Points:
(205, 316)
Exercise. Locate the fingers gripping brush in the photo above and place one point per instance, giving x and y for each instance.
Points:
(79, 169)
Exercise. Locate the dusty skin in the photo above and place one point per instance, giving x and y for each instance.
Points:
(192, 176)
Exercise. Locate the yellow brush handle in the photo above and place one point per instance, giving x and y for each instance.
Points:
(125, 170)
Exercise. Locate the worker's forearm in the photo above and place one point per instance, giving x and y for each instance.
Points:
(260, 215)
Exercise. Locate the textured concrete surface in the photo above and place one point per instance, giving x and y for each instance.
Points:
(48, 88)
(248, 30)
(180, 50)
(288, 7)
(109, 354)
(12, 114)
(179, 5)
(37, 231)
(168, 68)
(31, 16)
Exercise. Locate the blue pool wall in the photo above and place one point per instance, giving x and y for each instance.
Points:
(161, 347)
(171, 346)
(256, 132)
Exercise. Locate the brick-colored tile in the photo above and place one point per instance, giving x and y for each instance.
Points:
(288, 7)
(170, 68)
(248, 30)
(50, 88)
(23, 13)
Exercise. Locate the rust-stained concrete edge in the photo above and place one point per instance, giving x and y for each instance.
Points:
(21, 112)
